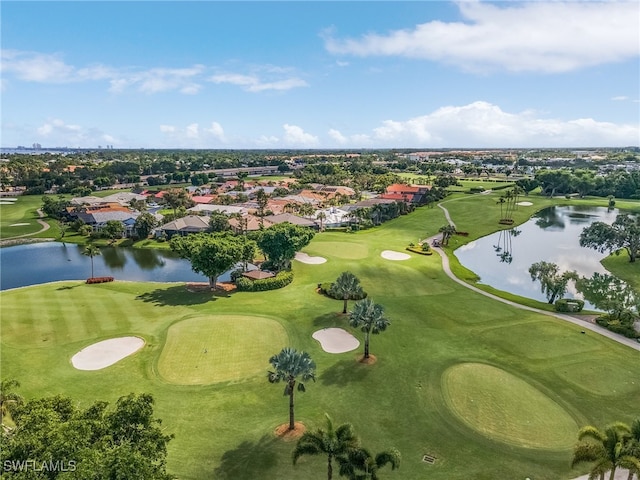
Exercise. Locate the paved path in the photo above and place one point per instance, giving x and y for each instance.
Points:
(629, 342)
(18, 239)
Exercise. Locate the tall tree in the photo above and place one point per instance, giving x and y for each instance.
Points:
(332, 442)
(144, 224)
(552, 283)
(370, 319)
(177, 197)
(347, 286)
(292, 367)
(624, 232)
(98, 443)
(91, 251)
(280, 242)
(447, 231)
(360, 464)
(209, 254)
(605, 450)
(9, 399)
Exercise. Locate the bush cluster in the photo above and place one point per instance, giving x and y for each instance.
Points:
(615, 325)
(99, 279)
(282, 279)
(569, 305)
(325, 289)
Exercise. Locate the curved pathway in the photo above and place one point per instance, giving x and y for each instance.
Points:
(585, 325)
(5, 242)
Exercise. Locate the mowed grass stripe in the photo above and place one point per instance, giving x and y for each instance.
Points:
(210, 349)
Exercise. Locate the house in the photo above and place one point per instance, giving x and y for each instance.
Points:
(184, 226)
(202, 199)
(248, 223)
(414, 194)
(294, 219)
(207, 209)
(97, 219)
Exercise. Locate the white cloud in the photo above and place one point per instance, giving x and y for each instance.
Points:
(516, 36)
(56, 132)
(253, 83)
(193, 136)
(296, 137)
(620, 98)
(481, 124)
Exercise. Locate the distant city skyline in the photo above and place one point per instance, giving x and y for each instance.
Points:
(320, 75)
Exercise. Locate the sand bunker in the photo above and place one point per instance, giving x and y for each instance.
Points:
(391, 255)
(336, 340)
(304, 258)
(18, 224)
(6, 203)
(103, 354)
(524, 204)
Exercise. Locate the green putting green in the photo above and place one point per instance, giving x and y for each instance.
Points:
(346, 250)
(506, 408)
(219, 348)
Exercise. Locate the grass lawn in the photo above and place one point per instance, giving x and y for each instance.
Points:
(446, 345)
(19, 217)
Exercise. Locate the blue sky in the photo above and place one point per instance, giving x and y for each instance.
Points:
(335, 74)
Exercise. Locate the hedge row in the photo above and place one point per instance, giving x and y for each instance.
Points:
(420, 250)
(569, 305)
(99, 279)
(282, 279)
(617, 326)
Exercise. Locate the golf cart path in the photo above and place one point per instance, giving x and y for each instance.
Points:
(585, 325)
(14, 240)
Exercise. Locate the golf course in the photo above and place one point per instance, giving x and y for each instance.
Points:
(489, 390)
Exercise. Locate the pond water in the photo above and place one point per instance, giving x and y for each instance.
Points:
(502, 259)
(37, 263)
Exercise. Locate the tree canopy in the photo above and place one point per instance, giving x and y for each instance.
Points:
(210, 254)
(624, 232)
(280, 242)
(552, 283)
(54, 438)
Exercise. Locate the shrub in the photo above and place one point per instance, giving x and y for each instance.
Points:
(463, 234)
(325, 288)
(99, 279)
(570, 305)
(281, 280)
(617, 326)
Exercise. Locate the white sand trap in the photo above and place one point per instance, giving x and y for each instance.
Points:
(18, 224)
(524, 204)
(336, 340)
(6, 203)
(9, 199)
(391, 255)
(103, 354)
(304, 258)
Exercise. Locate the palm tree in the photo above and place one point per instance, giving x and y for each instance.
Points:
(91, 251)
(633, 449)
(501, 201)
(322, 217)
(447, 231)
(606, 450)
(330, 442)
(292, 367)
(360, 464)
(369, 317)
(8, 398)
(345, 287)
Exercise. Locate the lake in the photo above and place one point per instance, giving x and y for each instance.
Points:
(37, 263)
(502, 259)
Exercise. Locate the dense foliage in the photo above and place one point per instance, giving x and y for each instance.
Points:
(55, 438)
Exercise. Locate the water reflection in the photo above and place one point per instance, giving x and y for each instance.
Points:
(52, 261)
(551, 235)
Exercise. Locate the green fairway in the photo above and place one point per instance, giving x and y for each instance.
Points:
(445, 346)
(506, 408)
(210, 349)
